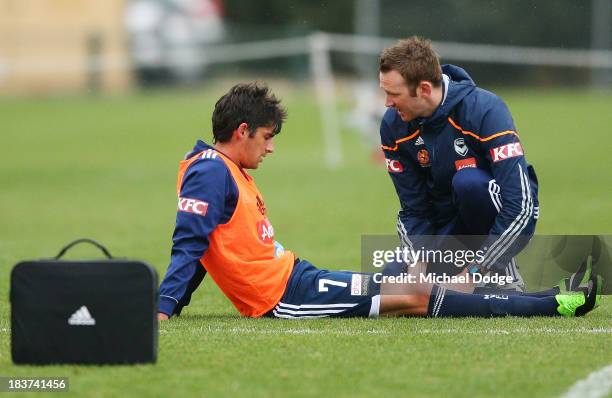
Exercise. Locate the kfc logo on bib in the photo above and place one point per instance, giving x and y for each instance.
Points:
(506, 151)
(192, 206)
(265, 230)
(394, 166)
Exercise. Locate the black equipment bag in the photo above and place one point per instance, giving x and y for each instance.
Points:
(83, 312)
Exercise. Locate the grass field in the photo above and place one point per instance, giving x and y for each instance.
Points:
(105, 168)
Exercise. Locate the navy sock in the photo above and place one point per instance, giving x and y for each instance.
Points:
(448, 303)
(544, 293)
(493, 290)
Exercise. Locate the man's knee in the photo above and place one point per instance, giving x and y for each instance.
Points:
(470, 182)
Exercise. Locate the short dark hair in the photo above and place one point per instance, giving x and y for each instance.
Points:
(415, 59)
(249, 103)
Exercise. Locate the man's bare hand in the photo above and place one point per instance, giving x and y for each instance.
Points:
(161, 316)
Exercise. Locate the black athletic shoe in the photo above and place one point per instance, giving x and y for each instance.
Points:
(592, 294)
(579, 279)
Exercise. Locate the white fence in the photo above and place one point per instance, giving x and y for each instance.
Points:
(318, 46)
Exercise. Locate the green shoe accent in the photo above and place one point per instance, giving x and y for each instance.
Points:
(587, 273)
(562, 286)
(569, 302)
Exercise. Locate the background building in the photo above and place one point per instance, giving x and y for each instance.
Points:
(51, 46)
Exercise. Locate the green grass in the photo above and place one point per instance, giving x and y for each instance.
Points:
(106, 167)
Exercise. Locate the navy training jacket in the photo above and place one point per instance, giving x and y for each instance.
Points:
(471, 128)
(207, 180)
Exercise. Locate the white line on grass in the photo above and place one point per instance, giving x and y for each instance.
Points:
(356, 332)
(517, 331)
(595, 385)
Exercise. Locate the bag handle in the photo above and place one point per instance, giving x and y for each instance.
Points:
(84, 240)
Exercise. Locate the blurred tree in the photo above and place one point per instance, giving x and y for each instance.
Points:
(293, 16)
(549, 23)
(541, 23)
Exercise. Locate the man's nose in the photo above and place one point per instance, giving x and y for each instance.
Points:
(389, 102)
(270, 147)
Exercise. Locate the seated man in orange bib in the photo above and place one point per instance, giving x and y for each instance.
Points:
(222, 229)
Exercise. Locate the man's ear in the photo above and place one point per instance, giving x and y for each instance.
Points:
(242, 131)
(425, 88)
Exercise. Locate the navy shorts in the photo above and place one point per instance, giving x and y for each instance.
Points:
(315, 293)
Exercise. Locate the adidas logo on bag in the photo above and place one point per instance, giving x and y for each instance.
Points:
(81, 317)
